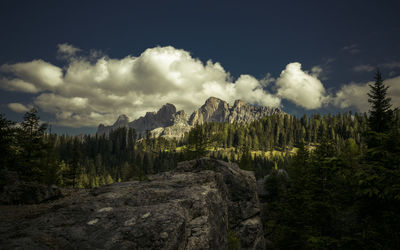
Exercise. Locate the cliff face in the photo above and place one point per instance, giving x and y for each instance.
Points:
(164, 117)
(179, 128)
(194, 207)
(171, 124)
(213, 110)
(216, 110)
(152, 120)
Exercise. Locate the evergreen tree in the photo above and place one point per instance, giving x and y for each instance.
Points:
(197, 143)
(6, 140)
(381, 116)
(6, 146)
(245, 159)
(31, 141)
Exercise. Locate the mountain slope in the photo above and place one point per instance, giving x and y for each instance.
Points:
(170, 123)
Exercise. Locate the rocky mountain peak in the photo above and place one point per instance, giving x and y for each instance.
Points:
(167, 109)
(212, 101)
(240, 103)
(180, 116)
(213, 110)
(122, 118)
(173, 124)
(122, 121)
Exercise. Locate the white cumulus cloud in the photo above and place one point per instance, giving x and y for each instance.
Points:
(301, 87)
(355, 94)
(31, 77)
(88, 90)
(93, 89)
(66, 49)
(19, 107)
(352, 95)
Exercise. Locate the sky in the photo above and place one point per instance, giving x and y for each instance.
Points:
(82, 63)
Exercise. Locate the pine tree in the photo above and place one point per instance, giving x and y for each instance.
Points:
(6, 141)
(7, 154)
(31, 140)
(196, 143)
(381, 116)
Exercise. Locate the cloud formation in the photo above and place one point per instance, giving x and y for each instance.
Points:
(88, 91)
(352, 49)
(364, 68)
(355, 94)
(301, 87)
(93, 89)
(391, 65)
(18, 107)
(31, 77)
(66, 49)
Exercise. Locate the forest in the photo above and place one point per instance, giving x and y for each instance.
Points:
(332, 180)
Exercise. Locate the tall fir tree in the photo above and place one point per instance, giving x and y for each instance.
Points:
(381, 115)
(32, 147)
(6, 147)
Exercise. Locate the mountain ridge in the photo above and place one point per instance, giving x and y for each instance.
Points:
(170, 123)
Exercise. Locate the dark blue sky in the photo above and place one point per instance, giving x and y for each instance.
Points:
(246, 37)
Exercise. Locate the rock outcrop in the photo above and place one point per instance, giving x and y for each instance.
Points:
(169, 123)
(16, 191)
(179, 128)
(164, 117)
(194, 207)
(217, 110)
(213, 110)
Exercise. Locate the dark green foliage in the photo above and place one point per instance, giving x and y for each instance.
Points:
(379, 173)
(245, 159)
(343, 195)
(6, 141)
(197, 143)
(32, 148)
(381, 116)
(379, 190)
(233, 241)
(6, 146)
(283, 132)
(49, 162)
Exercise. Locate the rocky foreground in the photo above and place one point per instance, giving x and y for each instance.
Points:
(203, 204)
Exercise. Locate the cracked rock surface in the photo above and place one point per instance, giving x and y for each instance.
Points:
(192, 207)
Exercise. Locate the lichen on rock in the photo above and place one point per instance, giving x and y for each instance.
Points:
(196, 206)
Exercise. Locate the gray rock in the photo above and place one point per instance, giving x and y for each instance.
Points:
(213, 110)
(216, 110)
(152, 120)
(242, 201)
(192, 207)
(179, 128)
(16, 191)
(171, 124)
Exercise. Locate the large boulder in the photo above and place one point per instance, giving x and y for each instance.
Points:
(195, 206)
(16, 191)
(242, 199)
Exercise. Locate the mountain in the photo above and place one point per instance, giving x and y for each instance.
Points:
(170, 123)
(217, 110)
(164, 117)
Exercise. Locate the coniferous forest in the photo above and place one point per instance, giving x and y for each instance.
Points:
(332, 181)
